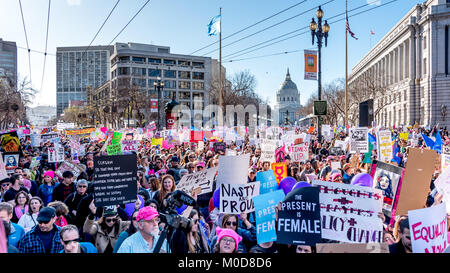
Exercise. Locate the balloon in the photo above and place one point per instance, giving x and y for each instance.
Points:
(129, 208)
(286, 184)
(216, 198)
(301, 184)
(362, 179)
(181, 209)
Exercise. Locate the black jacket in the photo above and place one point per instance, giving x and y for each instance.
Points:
(58, 192)
(72, 201)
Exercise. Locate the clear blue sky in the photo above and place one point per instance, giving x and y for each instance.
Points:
(182, 25)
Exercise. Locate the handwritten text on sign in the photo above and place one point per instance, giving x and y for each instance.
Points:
(203, 179)
(350, 213)
(299, 152)
(237, 198)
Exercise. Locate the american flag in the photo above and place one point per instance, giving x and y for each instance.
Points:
(372, 33)
(348, 28)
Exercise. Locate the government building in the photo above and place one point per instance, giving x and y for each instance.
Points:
(288, 102)
(407, 72)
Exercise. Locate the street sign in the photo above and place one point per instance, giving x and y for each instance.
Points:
(320, 108)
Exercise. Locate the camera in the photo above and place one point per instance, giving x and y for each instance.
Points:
(170, 215)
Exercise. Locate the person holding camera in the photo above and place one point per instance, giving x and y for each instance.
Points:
(189, 239)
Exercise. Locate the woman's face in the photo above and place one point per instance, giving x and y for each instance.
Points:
(35, 205)
(21, 199)
(110, 221)
(133, 219)
(227, 245)
(231, 223)
(384, 182)
(303, 249)
(195, 219)
(167, 184)
(388, 238)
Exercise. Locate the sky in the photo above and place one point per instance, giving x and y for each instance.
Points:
(182, 25)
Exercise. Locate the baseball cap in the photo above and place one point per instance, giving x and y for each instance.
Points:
(175, 159)
(46, 214)
(109, 211)
(201, 163)
(146, 213)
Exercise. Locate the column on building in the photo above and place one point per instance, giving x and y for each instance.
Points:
(412, 76)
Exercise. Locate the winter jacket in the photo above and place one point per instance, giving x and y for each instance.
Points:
(101, 238)
(58, 192)
(31, 243)
(45, 193)
(28, 221)
(72, 201)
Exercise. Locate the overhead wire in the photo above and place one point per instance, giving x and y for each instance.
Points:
(26, 38)
(45, 51)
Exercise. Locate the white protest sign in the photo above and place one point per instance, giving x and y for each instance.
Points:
(237, 198)
(359, 140)
(327, 132)
(35, 140)
(59, 153)
(428, 228)
(231, 152)
(339, 144)
(442, 184)
(233, 169)
(203, 179)
(445, 158)
(130, 145)
(299, 152)
(335, 165)
(384, 143)
(3, 173)
(268, 148)
(350, 213)
(52, 155)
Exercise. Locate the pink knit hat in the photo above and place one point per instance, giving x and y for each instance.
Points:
(50, 173)
(146, 213)
(334, 176)
(221, 232)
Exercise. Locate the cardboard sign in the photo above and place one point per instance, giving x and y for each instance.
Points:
(35, 140)
(299, 218)
(268, 148)
(11, 162)
(47, 137)
(353, 248)
(359, 140)
(219, 147)
(203, 179)
(416, 181)
(10, 143)
(428, 228)
(265, 215)
(339, 144)
(233, 169)
(130, 145)
(300, 152)
(157, 141)
(280, 171)
(327, 132)
(384, 146)
(114, 149)
(387, 178)
(335, 165)
(55, 154)
(442, 184)
(3, 173)
(280, 153)
(68, 166)
(354, 161)
(237, 198)
(267, 180)
(115, 179)
(350, 213)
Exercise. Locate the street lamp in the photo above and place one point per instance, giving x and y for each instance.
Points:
(319, 31)
(287, 118)
(159, 85)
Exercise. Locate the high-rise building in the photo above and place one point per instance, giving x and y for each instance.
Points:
(77, 68)
(8, 61)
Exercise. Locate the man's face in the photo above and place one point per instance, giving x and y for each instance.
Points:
(5, 186)
(5, 216)
(81, 189)
(18, 171)
(149, 227)
(68, 180)
(406, 239)
(70, 241)
(47, 226)
(90, 164)
(23, 161)
(174, 164)
(20, 180)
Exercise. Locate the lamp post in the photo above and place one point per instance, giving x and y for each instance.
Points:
(287, 118)
(159, 85)
(319, 31)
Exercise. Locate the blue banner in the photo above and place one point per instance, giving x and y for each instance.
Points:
(268, 182)
(265, 215)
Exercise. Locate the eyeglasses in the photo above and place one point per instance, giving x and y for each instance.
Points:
(6, 185)
(82, 186)
(229, 241)
(109, 220)
(229, 223)
(70, 241)
(43, 222)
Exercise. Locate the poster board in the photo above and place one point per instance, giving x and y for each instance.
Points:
(442, 184)
(267, 180)
(130, 145)
(359, 140)
(265, 215)
(10, 162)
(233, 169)
(353, 248)
(387, 178)
(384, 145)
(68, 166)
(268, 148)
(280, 154)
(10, 143)
(280, 171)
(203, 179)
(445, 158)
(300, 152)
(237, 198)
(219, 147)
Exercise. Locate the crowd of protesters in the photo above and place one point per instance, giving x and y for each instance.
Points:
(44, 213)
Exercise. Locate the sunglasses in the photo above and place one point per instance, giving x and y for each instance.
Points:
(228, 223)
(109, 220)
(82, 186)
(43, 222)
(70, 241)
(6, 185)
(191, 167)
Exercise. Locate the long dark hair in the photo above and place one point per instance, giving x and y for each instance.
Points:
(131, 229)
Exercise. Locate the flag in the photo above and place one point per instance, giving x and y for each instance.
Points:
(428, 141)
(372, 138)
(396, 151)
(372, 33)
(348, 28)
(438, 143)
(214, 26)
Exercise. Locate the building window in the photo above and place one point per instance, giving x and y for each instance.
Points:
(197, 96)
(184, 74)
(404, 95)
(424, 42)
(424, 66)
(124, 71)
(170, 84)
(136, 71)
(154, 61)
(198, 75)
(170, 74)
(124, 59)
(198, 85)
(198, 64)
(186, 103)
(184, 95)
(138, 60)
(183, 63)
(154, 72)
(184, 85)
(170, 62)
(138, 82)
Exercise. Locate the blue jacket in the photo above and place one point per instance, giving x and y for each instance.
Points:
(17, 232)
(86, 248)
(31, 243)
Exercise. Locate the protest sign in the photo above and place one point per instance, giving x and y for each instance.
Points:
(130, 145)
(428, 228)
(335, 165)
(339, 144)
(10, 143)
(233, 169)
(299, 218)
(352, 248)
(384, 145)
(415, 184)
(265, 215)
(3, 173)
(267, 180)
(350, 213)
(48, 137)
(387, 178)
(445, 158)
(114, 149)
(35, 140)
(203, 179)
(442, 184)
(359, 140)
(68, 166)
(280, 153)
(11, 162)
(35, 161)
(115, 179)
(237, 198)
(300, 152)
(231, 152)
(53, 154)
(268, 148)
(116, 138)
(280, 171)
(327, 132)
(80, 131)
(219, 147)
(156, 142)
(62, 125)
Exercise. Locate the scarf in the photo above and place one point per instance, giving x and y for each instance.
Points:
(19, 212)
(61, 221)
